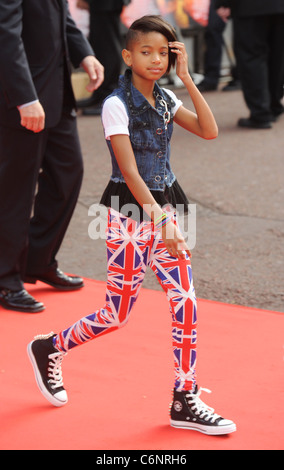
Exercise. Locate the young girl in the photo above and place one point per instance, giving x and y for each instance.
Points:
(138, 122)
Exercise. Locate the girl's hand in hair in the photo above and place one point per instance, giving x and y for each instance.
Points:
(179, 49)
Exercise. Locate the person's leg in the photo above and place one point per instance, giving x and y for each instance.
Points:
(187, 410)
(214, 49)
(127, 260)
(175, 277)
(20, 160)
(105, 38)
(276, 64)
(251, 37)
(59, 184)
(126, 266)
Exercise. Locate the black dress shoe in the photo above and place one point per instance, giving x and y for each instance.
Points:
(252, 124)
(57, 279)
(20, 301)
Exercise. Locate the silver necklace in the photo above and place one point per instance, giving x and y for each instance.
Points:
(166, 114)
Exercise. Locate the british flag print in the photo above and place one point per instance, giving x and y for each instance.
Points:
(131, 248)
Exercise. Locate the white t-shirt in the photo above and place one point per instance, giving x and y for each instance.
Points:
(115, 118)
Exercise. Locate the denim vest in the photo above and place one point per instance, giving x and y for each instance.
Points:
(149, 134)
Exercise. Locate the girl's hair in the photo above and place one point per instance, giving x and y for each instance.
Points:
(150, 24)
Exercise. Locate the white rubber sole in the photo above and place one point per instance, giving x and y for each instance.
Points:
(60, 398)
(209, 430)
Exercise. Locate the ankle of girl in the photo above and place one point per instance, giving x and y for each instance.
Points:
(161, 221)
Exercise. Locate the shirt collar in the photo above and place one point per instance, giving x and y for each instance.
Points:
(137, 103)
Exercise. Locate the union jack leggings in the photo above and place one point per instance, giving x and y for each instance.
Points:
(131, 247)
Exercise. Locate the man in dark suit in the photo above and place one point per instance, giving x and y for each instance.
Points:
(259, 48)
(39, 146)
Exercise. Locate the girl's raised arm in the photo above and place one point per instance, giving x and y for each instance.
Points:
(201, 123)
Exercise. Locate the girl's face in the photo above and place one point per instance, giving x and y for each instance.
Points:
(149, 56)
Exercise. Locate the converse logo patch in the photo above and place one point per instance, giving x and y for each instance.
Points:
(177, 406)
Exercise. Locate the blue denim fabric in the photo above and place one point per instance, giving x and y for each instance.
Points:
(149, 135)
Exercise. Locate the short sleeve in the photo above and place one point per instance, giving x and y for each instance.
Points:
(114, 117)
(178, 103)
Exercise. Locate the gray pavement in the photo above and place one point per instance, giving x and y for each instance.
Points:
(237, 184)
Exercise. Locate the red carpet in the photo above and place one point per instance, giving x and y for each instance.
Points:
(119, 386)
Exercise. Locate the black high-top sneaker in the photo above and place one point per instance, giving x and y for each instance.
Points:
(187, 411)
(46, 361)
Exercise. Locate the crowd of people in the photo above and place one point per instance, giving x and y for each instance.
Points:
(257, 67)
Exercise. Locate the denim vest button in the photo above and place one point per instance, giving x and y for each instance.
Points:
(160, 154)
(159, 131)
(158, 178)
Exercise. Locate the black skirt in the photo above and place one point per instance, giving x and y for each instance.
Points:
(173, 195)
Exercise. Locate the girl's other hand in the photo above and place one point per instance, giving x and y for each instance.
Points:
(174, 241)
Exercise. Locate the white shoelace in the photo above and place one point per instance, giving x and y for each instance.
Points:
(199, 408)
(54, 370)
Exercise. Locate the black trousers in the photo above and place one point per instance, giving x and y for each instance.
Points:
(259, 46)
(214, 46)
(48, 165)
(105, 39)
